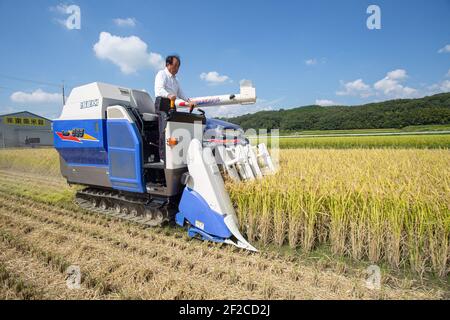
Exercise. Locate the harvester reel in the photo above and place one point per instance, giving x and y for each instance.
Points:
(243, 163)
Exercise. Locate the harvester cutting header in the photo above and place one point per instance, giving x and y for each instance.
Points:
(109, 140)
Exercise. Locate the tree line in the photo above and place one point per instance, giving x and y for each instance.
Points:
(397, 113)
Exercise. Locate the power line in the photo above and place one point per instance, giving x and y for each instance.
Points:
(31, 81)
(58, 85)
(2, 88)
(9, 89)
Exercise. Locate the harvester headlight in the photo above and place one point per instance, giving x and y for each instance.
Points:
(171, 142)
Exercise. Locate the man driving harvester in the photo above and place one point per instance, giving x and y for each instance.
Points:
(166, 83)
(167, 90)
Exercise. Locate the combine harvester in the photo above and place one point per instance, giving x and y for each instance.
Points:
(109, 140)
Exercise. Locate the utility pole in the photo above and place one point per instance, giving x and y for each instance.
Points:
(2, 126)
(63, 94)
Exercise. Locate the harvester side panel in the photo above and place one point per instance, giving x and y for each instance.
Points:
(125, 156)
(83, 147)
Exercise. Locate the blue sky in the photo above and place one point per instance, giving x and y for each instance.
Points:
(295, 52)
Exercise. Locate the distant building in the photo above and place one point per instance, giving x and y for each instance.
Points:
(25, 129)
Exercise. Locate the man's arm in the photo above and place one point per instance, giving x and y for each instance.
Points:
(160, 91)
(181, 94)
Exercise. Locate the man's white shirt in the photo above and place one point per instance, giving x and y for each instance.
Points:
(167, 84)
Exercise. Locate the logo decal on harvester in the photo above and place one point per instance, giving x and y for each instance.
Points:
(200, 225)
(89, 104)
(75, 135)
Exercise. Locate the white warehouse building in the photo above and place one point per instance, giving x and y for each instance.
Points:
(25, 129)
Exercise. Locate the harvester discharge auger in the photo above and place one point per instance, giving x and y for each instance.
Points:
(152, 164)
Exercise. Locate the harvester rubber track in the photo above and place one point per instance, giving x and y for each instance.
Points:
(150, 212)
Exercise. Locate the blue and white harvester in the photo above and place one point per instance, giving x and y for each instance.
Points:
(134, 166)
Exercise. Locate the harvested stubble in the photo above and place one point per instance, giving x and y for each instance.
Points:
(123, 260)
(382, 205)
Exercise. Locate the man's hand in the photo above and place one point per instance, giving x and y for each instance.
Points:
(191, 106)
(172, 98)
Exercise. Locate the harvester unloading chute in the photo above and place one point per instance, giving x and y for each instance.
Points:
(247, 95)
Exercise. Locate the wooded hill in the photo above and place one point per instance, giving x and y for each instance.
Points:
(388, 114)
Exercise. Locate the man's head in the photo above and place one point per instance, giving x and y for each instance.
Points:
(173, 64)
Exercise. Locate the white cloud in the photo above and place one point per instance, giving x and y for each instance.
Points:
(445, 49)
(36, 97)
(325, 102)
(441, 87)
(355, 88)
(398, 74)
(245, 83)
(315, 61)
(391, 87)
(445, 86)
(214, 77)
(127, 22)
(60, 8)
(129, 53)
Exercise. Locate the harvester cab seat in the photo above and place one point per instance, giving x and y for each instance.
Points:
(146, 108)
(143, 102)
(150, 117)
(145, 105)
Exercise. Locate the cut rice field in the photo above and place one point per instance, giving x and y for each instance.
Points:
(319, 222)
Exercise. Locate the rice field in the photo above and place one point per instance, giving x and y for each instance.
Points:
(429, 141)
(389, 207)
(42, 236)
(379, 205)
(45, 161)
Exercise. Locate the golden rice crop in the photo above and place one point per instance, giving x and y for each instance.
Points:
(382, 205)
(38, 160)
(430, 141)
